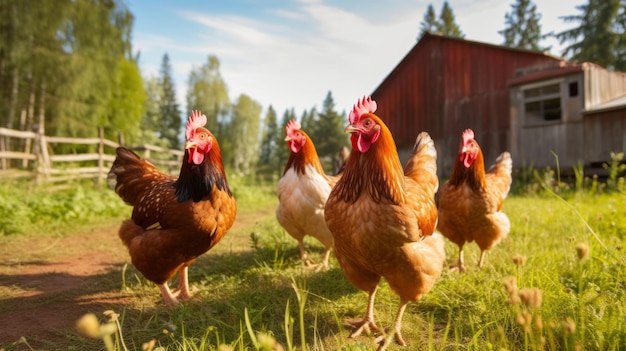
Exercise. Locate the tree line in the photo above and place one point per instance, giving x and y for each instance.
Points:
(68, 67)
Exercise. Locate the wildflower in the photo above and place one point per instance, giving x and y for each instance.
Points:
(582, 250)
(510, 284)
(519, 260)
(89, 326)
(569, 326)
(531, 297)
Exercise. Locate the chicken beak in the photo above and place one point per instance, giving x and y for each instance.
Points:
(190, 144)
(287, 138)
(351, 128)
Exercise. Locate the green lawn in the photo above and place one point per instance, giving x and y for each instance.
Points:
(556, 297)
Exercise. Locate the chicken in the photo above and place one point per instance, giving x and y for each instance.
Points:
(302, 193)
(383, 217)
(470, 202)
(174, 220)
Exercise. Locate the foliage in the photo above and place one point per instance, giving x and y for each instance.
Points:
(327, 132)
(429, 24)
(127, 103)
(445, 24)
(61, 62)
(152, 115)
(268, 157)
(207, 92)
(243, 135)
(170, 122)
(600, 35)
(523, 30)
(42, 207)
(555, 283)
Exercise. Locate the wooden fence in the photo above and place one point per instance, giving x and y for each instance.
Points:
(28, 154)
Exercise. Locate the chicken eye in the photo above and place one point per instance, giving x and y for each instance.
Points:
(202, 136)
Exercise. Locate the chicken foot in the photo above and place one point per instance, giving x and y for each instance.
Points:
(460, 265)
(171, 298)
(385, 340)
(310, 263)
(367, 324)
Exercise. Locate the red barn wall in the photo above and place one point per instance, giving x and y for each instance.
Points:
(445, 85)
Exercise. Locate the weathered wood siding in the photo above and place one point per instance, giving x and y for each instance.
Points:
(445, 85)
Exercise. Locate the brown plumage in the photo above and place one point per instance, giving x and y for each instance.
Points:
(174, 220)
(470, 202)
(302, 192)
(383, 216)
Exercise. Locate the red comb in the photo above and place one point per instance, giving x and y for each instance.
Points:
(467, 135)
(292, 126)
(196, 120)
(365, 105)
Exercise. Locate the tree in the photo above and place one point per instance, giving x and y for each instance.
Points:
(430, 23)
(523, 30)
(447, 25)
(207, 92)
(150, 121)
(328, 134)
(269, 148)
(600, 36)
(243, 133)
(127, 103)
(170, 124)
(283, 150)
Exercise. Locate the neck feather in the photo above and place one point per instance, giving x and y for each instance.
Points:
(196, 182)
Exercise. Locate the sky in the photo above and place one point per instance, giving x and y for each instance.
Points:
(291, 53)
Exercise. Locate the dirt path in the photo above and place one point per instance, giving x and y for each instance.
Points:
(46, 284)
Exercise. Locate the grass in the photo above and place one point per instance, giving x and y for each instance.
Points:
(556, 283)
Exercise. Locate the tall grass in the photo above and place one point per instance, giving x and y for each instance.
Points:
(556, 283)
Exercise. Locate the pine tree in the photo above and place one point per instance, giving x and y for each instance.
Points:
(269, 148)
(523, 30)
(600, 35)
(328, 134)
(283, 150)
(430, 23)
(447, 25)
(170, 123)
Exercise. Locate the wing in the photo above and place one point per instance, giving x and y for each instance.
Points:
(498, 180)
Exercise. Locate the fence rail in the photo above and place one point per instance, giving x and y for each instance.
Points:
(25, 154)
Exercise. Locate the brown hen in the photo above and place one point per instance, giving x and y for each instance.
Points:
(383, 216)
(470, 202)
(174, 220)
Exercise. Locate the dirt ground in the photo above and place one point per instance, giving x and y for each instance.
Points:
(48, 283)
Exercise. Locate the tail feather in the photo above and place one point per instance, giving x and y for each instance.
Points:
(128, 173)
(503, 164)
(422, 165)
(129, 230)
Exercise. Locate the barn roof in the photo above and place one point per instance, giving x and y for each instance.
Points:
(428, 36)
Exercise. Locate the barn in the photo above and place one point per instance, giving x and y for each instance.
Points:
(445, 85)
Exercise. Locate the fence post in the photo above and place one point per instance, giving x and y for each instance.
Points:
(101, 170)
(40, 149)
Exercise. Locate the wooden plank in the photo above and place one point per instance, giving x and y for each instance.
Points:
(74, 157)
(17, 133)
(16, 155)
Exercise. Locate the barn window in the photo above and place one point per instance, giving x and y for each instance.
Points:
(542, 103)
(573, 89)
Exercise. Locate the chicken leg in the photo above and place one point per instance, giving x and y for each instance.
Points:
(367, 324)
(460, 266)
(385, 340)
(169, 298)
